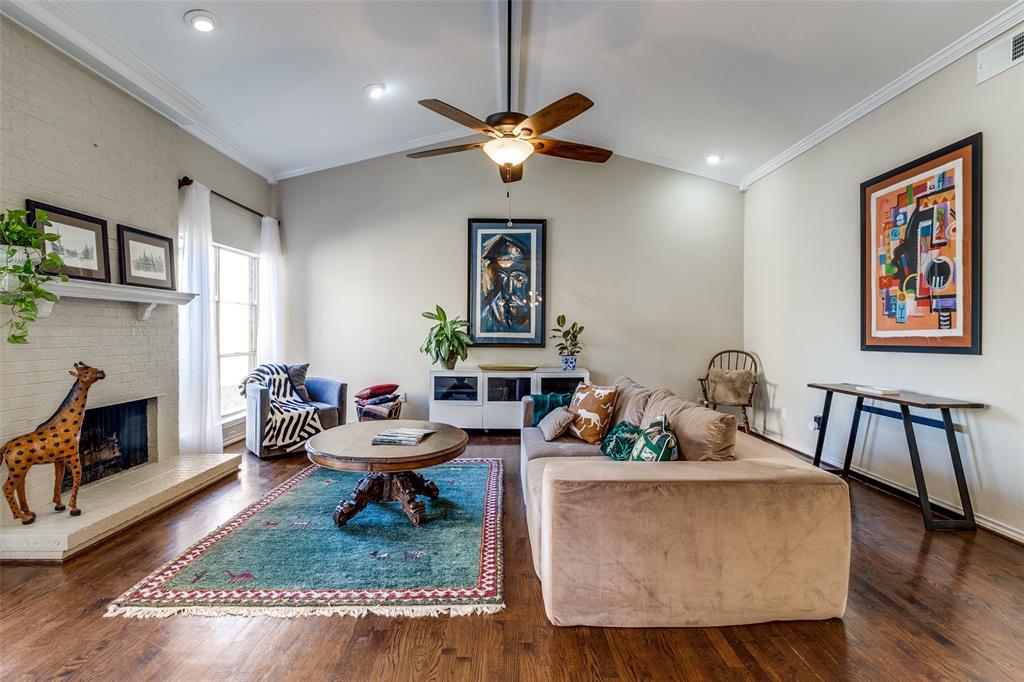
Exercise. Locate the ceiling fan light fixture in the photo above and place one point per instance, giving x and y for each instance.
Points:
(508, 151)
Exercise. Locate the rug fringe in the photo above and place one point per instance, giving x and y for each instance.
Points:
(115, 610)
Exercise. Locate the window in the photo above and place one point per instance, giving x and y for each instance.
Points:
(236, 323)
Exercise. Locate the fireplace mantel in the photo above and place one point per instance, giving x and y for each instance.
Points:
(145, 298)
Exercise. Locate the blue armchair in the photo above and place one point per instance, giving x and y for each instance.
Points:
(328, 396)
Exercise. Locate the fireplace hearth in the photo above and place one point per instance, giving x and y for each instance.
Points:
(115, 438)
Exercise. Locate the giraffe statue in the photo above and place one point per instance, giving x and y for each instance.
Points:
(55, 440)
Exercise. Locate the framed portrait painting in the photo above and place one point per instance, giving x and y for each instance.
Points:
(147, 259)
(82, 243)
(506, 282)
(921, 254)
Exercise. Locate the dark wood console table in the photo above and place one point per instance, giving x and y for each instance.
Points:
(906, 400)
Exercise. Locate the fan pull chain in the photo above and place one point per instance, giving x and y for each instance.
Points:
(508, 195)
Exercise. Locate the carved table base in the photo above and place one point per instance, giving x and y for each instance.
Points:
(401, 487)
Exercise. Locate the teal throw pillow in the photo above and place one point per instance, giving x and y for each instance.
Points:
(620, 441)
(656, 443)
(545, 402)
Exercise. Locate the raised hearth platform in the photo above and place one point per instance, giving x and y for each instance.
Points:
(108, 505)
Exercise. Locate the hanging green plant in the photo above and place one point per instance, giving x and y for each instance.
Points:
(446, 342)
(23, 270)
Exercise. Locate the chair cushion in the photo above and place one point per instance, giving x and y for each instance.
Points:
(729, 386)
(630, 400)
(592, 406)
(297, 373)
(328, 414)
(555, 423)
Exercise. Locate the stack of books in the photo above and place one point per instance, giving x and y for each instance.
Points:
(402, 436)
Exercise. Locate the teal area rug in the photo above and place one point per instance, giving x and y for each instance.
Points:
(283, 556)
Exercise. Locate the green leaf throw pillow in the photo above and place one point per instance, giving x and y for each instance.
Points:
(619, 442)
(656, 443)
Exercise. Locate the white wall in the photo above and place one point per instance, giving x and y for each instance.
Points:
(72, 139)
(801, 295)
(648, 259)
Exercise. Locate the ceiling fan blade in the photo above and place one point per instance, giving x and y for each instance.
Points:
(445, 150)
(554, 115)
(515, 176)
(571, 150)
(459, 116)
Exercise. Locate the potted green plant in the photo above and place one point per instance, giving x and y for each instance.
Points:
(22, 270)
(446, 342)
(569, 344)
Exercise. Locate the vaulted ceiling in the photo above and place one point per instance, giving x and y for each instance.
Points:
(280, 84)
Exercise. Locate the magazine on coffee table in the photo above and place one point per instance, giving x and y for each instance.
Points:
(402, 436)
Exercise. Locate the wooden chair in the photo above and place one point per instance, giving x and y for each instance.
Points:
(732, 359)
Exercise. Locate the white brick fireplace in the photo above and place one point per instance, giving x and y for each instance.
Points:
(141, 363)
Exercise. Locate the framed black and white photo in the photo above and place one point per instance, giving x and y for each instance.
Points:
(147, 259)
(82, 243)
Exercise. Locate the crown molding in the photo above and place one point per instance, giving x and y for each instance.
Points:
(58, 24)
(997, 25)
(230, 150)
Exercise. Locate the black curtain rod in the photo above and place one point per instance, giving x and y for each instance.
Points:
(185, 181)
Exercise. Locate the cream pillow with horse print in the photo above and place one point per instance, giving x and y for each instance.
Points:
(656, 443)
(592, 409)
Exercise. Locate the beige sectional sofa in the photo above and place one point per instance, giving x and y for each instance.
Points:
(764, 536)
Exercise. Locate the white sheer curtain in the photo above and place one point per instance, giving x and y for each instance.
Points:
(199, 423)
(269, 311)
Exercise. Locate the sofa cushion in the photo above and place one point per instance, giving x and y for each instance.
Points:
(297, 373)
(535, 447)
(656, 443)
(729, 386)
(630, 400)
(555, 423)
(705, 435)
(592, 406)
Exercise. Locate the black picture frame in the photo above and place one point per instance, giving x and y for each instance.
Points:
(538, 337)
(969, 148)
(80, 221)
(125, 234)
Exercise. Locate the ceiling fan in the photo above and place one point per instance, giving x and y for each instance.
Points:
(515, 136)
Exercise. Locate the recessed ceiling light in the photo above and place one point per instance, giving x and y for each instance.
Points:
(713, 159)
(374, 90)
(201, 20)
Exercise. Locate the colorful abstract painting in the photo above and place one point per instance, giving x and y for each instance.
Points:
(921, 247)
(506, 282)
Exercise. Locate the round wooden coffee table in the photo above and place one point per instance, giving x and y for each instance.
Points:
(390, 468)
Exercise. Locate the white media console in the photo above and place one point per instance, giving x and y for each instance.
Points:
(485, 399)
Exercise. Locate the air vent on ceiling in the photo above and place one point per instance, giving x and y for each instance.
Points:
(1001, 56)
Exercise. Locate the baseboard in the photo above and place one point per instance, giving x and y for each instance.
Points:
(897, 489)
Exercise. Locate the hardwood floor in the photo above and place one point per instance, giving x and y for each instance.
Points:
(936, 605)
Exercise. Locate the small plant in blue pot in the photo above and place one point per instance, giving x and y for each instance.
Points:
(569, 344)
